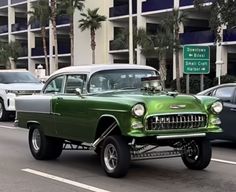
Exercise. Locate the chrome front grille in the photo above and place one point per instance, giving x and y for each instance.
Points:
(27, 92)
(176, 121)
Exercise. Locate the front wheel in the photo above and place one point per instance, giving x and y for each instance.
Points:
(4, 115)
(197, 155)
(115, 156)
(43, 147)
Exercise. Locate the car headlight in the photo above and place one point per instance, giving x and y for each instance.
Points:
(12, 91)
(138, 110)
(217, 107)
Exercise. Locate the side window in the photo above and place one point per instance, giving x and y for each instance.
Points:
(55, 85)
(73, 82)
(225, 93)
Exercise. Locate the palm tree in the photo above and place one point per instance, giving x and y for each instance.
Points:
(4, 55)
(9, 53)
(40, 13)
(69, 6)
(53, 17)
(15, 51)
(157, 44)
(92, 21)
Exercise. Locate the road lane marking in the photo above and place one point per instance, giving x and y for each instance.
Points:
(63, 180)
(224, 161)
(7, 127)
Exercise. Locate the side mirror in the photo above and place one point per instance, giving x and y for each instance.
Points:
(79, 92)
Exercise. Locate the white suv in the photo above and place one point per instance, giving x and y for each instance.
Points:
(12, 84)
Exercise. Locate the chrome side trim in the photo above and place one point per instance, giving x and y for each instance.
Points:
(181, 136)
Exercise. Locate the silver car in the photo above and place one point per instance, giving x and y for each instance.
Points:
(12, 84)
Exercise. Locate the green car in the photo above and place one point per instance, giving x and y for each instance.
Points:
(122, 113)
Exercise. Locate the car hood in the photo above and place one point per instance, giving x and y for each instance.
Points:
(162, 102)
(22, 86)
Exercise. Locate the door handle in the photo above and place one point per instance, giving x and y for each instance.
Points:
(233, 109)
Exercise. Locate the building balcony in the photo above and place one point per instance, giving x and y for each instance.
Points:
(122, 10)
(63, 48)
(154, 5)
(118, 46)
(3, 3)
(197, 37)
(3, 29)
(38, 51)
(17, 1)
(190, 2)
(229, 35)
(63, 19)
(19, 27)
(36, 25)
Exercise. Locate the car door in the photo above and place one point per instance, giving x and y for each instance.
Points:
(228, 115)
(71, 119)
(53, 88)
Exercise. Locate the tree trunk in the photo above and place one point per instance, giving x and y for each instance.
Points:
(12, 63)
(72, 40)
(162, 68)
(54, 26)
(43, 33)
(93, 45)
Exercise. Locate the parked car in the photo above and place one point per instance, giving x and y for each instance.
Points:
(227, 94)
(122, 113)
(14, 83)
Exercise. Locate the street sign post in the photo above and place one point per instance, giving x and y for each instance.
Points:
(196, 61)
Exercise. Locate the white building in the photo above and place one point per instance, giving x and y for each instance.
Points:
(145, 13)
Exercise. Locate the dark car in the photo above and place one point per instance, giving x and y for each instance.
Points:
(227, 94)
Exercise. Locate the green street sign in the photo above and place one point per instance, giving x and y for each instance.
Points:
(196, 59)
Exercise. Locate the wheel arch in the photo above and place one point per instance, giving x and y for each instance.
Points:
(104, 122)
(33, 123)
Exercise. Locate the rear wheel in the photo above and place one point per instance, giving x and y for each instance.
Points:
(115, 156)
(198, 154)
(43, 147)
(4, 115)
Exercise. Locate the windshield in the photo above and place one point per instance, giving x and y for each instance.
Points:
(17, 77)
(118, 79)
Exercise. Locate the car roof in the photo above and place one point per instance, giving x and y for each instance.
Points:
(98, 67)
(217, 86)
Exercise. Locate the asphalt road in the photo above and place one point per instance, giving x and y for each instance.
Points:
(81, 171)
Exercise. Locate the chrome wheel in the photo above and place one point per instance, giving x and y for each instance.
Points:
(192, 152)
(36, 140)
(110, 157)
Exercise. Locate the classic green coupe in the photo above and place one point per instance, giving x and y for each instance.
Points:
(122, 113)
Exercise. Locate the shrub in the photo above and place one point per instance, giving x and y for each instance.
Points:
(194, 84)
(225, 79)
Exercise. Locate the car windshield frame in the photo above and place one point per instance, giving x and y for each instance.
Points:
(17, 77)
(118, 79)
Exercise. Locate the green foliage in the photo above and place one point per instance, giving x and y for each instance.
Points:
(4, 53)
(68, 7)
(194, 84)
(225, 79)
(11, 50)
(15, 50)
(40, 13)
(221, 13)
(91, 20)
